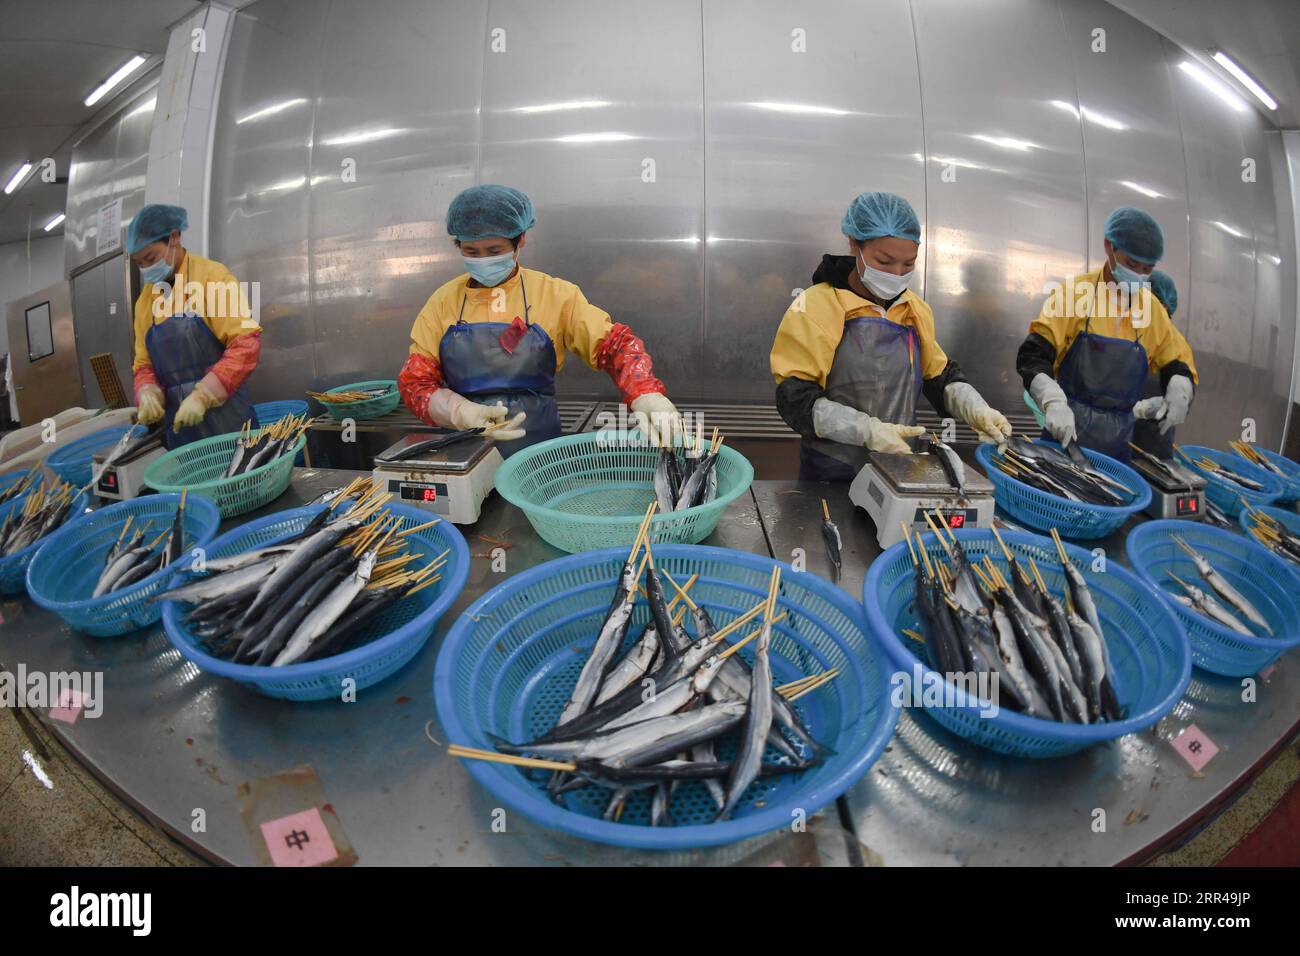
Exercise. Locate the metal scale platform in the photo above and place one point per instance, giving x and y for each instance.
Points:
(898, 489)
(1169, 499)
(124, 480)
(452, 481)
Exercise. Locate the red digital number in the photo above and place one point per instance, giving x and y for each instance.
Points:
(956, 521)
(430, 494)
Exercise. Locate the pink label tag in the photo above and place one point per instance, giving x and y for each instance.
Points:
(299, 839)
(1195, 747)
(71, 704)
(1267, 672)
(509, 339)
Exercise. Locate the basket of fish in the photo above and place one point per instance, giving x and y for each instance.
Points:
(1079, 492)
(1231, 480)
(582, 492)
(237, 472)
(295, 603)
(1277, 530)
(16, 484)
(271, 411)
(1013, 641)
(1281, 467)
(1237, 602)
(27, 519)
(360, 400)
(768, 695)
(100, 572)
(72, 461)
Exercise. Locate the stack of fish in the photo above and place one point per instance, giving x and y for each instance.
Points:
(1255, 457)
(1238, 615)
(610, 734)
(1048, 653)
(689, 477)
(43, 511)
(19, 486)
(950, 461)
(1273, 535)
(307, 596)
(1067, 474)
(270, 442)
(1220, 471)
(130, 560)
(351, 395)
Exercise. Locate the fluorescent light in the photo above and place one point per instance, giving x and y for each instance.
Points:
(1139, 188)
(54, 222)
(1228, 229)
(567, 105)
(269, 111)
(1006, 142)
(595, 138)
(1213, 85)
(362, 136)
(807, 108)
(125, 70)
(1245, 79)
(18, 178)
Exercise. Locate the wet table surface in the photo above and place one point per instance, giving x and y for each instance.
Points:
(173, 741)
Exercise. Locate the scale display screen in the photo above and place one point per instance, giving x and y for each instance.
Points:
(108, 480)
(956, 517)
(1187, 505)
(427, 493)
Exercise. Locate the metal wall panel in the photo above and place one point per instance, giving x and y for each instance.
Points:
(260, 214)
(379, 248)
(103, 321)
(1012, 216)
(798, 124)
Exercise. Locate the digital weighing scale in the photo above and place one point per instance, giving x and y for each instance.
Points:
(1182, 499)
(451, 481)
(900, 489)
(124, 480)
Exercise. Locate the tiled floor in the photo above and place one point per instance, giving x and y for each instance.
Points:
(76, 822)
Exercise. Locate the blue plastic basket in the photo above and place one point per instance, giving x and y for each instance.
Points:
(510, 662)
(1288, 519)
(1227, 494)
(72, 462)
(63, 574)
(268, 412)
(388, 644)
(1264, 580)
(1073, 519)
(1148, 648)
(1290, 479)
(13, 568)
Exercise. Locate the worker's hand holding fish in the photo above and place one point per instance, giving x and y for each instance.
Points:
(968, 405)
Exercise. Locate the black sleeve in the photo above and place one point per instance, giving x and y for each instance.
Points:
(794, 402)
(932, 388)
(1176, 367)
(1036, 355)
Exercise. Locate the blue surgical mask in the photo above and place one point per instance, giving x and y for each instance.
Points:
(1127, 277)
(886, 285)
(490, 270)
(160, 271)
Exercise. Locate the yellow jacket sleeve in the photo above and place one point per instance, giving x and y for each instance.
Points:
(430, 324)
(933, 358)
(1163, 341)
(809, 333)
(143, 319)
(225, 309)
(583, 326)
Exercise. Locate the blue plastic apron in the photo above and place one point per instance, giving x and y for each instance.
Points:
(182, 348)
(476, 364)
(876, 369)
(1103, 378)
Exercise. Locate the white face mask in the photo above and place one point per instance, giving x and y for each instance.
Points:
(886, 285)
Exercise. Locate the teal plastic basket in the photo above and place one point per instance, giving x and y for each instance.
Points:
(589, 491)
(370, 408)
(63, 574)
(199, 466)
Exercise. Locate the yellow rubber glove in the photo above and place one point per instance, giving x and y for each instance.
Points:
(193, 409)
(149, 405)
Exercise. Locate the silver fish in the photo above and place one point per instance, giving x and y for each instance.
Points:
(610, 639)
(758, 722)
(324, 614)
(1223, 587)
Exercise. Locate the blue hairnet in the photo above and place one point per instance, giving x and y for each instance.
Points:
(155, 221)
(873, 215)
(1162, 286)
(1136, 233)
(489, 210)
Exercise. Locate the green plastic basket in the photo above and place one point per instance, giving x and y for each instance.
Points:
(371, 407)
(199, 465)
(589, 491)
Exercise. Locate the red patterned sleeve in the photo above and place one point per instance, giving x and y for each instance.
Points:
(419, 378)
(144, 375)
(623, 357)
(239, 360)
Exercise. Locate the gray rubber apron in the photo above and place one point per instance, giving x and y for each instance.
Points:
(877, 370)
(476, 363)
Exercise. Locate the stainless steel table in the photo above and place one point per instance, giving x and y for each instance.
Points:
(172, 740)
(933, 798)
